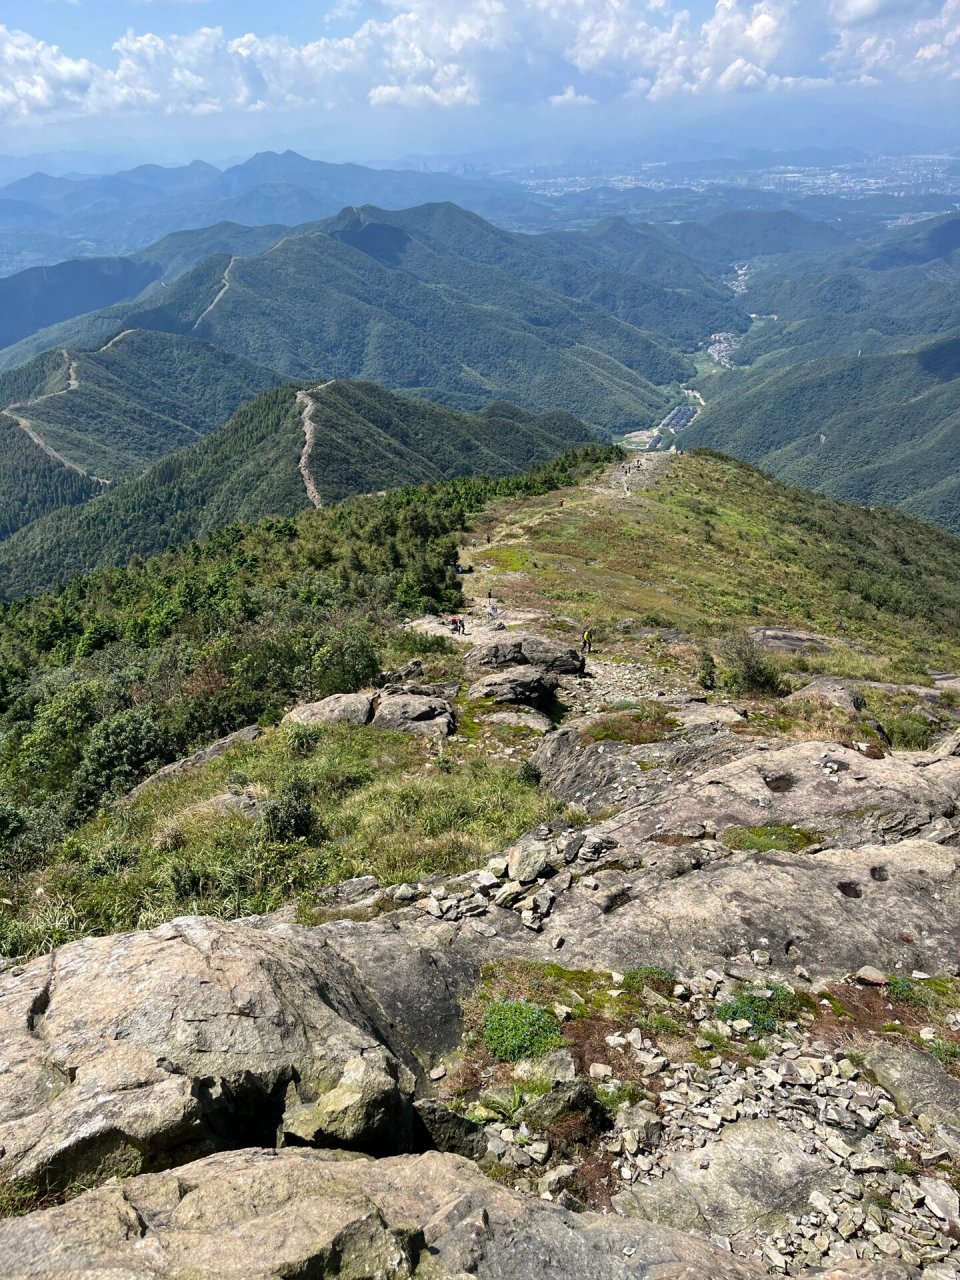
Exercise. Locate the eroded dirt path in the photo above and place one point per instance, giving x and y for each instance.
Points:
(18, 413)
(305, 399)
(224, 289)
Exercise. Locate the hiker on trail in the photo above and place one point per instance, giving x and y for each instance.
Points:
(587, 645)
(462, 626)
(455, 624)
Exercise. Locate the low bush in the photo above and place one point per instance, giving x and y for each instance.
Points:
(515, 1029)
(764, 1013)
(747, 669)
(775, 835)
(654, 976)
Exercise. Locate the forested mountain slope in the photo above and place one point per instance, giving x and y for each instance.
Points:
(879, 430)
(74, 420)
(43, 296)
(436, 302)
(362, 438)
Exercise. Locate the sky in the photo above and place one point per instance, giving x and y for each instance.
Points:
(194, 76)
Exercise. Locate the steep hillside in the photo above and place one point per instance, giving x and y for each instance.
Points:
(361, 438)
(75, 420)
(881, 430)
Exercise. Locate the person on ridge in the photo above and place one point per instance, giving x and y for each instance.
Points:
(587, 645)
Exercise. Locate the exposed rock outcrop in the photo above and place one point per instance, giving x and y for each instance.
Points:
(522, 650)
(143, 1049)
(340, 708)
(529, 685)
(256, 1215)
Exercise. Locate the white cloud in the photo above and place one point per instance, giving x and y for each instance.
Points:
(458, 53)
(570, 98)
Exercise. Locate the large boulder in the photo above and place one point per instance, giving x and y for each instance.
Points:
(522, 650)
(415, 713)
(265, 1215)
(526, 685)
(758, 1175)
(143, 1049)
(341, 708)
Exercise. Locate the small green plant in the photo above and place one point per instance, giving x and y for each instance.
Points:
(905, 991)
(515, 1029)
(764, 1013)
(302, 739)
(612, 1097)
(945, 1051)
(775, 835)
(654, 976)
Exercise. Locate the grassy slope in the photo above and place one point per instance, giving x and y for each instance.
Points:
(367, 439)
(717, 545)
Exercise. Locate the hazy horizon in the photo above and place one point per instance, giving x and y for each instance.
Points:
(175, 80)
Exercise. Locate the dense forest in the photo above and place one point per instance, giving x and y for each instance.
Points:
(878, 430)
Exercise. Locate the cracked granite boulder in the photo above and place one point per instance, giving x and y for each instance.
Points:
(256, 1215)
(147, 1049)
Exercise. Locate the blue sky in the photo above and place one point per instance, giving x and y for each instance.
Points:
(415, 71)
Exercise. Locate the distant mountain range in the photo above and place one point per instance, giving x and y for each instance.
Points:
(46, 219)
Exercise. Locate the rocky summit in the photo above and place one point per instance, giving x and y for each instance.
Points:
(700, 1023)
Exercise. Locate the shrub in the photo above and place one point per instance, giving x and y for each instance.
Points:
(706, 674)
(908, 731)
(775, 835)
(345, 662)
(654, 976)
(515, 1029)
(764, 1013)
(747, 669)
(119, 751)
(290, 815)
(528, 774)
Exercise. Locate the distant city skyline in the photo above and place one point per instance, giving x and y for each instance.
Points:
(211, 77)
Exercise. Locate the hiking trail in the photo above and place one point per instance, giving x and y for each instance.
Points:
(17, 413)
(224, 288)
(309, 437)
